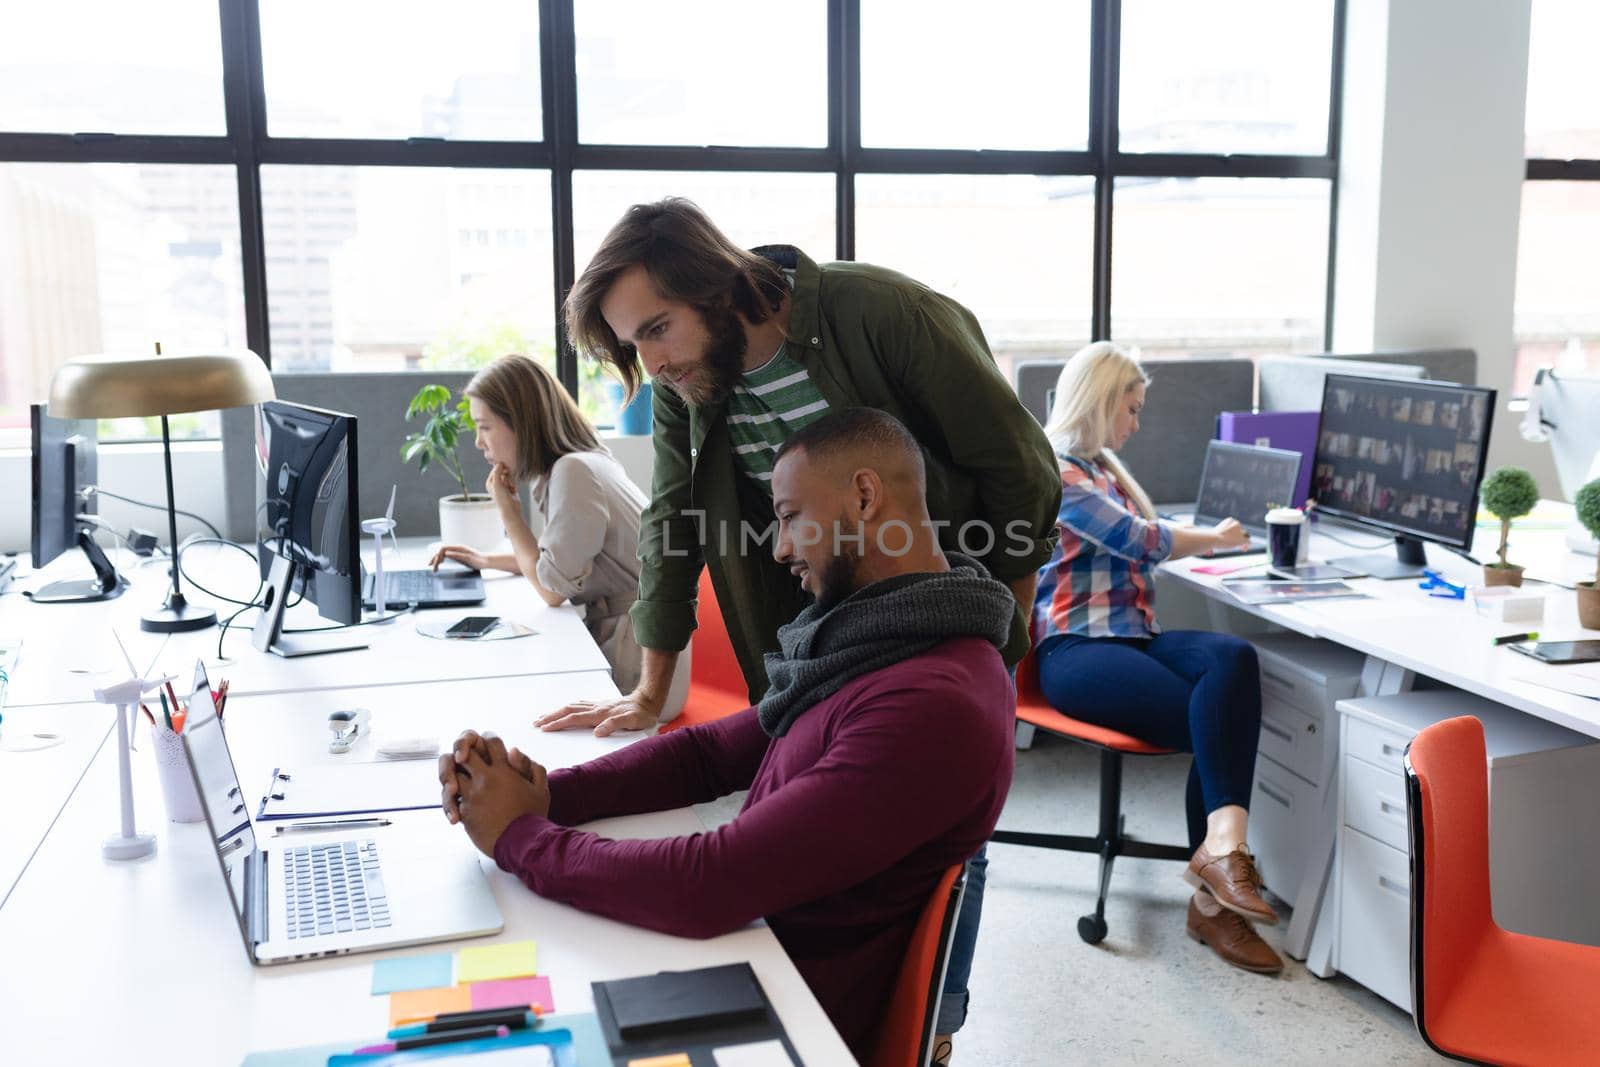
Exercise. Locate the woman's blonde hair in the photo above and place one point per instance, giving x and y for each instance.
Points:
(527, 398)
(1092, 384)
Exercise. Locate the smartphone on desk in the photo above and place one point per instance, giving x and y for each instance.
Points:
(1562, 651)
(473, 626)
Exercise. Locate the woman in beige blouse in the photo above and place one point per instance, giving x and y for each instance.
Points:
(530, 430)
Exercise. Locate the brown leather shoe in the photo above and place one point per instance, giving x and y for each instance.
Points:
(1230, 936)
(1233, 880)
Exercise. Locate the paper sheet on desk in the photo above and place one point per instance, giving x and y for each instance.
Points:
(333, 790)
(1565, 680)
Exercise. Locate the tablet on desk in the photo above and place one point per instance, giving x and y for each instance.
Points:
(1562, 651)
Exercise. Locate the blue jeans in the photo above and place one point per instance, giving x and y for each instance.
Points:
(963, 943)
(1189, 690)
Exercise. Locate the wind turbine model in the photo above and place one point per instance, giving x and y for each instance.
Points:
(129, 844)
(377, 528)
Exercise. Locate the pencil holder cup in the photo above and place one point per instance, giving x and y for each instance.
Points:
(177, 783)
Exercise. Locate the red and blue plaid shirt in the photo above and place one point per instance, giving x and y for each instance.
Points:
(1099, 581)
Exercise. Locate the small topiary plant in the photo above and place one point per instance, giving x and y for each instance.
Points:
(1508, 494)
(1587, 505)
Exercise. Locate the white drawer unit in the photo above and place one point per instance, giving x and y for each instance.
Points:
(1302, 679)
(1544, 844)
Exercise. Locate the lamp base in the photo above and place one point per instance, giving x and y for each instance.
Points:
(177, 616)
(117, 847)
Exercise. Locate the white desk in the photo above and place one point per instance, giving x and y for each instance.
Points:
(63, 643)
(35, 785)
(1403, 632)
(156, 947)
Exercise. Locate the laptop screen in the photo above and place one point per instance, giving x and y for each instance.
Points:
(1244, 482)
(227, 814)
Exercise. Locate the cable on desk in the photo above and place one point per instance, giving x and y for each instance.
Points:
(229, 623)
(1364, 545)
(158, 507)
(255, 598)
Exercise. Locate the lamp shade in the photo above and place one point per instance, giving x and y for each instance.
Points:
(114, 386)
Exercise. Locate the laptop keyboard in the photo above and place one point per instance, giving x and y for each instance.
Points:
(408, 586)
(334, 888)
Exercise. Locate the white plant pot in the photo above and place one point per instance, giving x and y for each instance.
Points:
(474, 522)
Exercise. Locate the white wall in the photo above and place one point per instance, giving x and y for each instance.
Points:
(1430, 188)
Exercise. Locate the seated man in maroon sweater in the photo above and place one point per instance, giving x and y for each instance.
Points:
(879, 758)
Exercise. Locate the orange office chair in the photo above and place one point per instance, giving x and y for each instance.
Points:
(906, 1038)
(716, 684)
(1480, 993)
(1110, 842)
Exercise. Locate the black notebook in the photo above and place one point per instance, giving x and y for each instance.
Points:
(693, 1012)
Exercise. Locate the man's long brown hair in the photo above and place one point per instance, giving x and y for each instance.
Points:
(687, 258)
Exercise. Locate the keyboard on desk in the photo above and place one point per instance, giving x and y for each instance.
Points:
(334, 888)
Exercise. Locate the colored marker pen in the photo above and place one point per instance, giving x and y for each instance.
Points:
(514, 1019)
(473, 1034)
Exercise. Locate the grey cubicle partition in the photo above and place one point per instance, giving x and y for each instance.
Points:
(1180, 416)
(1459, 365)
(1294, 383)
(378, 401)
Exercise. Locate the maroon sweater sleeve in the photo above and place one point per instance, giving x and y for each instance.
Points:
(902, 766)
(661, 773)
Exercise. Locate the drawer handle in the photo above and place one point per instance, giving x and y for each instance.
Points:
(1268, 676)
(1277, 731)
(1274, 794)
(1398, 888)
(1390, 750)
(1392, 808)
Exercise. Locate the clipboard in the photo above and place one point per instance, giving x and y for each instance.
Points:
(331, 790)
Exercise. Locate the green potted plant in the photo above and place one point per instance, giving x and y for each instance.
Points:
(1587, 505)
(465, 518)
(1508, 494)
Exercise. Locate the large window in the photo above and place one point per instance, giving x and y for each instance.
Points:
(1557, 319)
(394, 185)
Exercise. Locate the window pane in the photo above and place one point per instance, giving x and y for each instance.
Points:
(108, 66)
(402, 68)
(1219, 266)
(752, 209)
(394, 268)
(730, 73)
(1558, 274)
(113, 258)
(1229, 76)
(1563, 111)
(936, 77)
(1015, 249)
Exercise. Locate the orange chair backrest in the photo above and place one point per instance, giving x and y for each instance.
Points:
(714, 663)
(1028, 691)
(908, 1021)
(1450, 807)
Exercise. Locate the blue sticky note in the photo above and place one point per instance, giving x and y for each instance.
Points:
(411, 972)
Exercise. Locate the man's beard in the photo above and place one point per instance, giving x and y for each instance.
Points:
(722, 361)
(837, 580)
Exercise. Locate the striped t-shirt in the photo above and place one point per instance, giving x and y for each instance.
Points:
(769, 405)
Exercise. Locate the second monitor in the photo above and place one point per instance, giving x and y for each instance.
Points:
(1404, 457)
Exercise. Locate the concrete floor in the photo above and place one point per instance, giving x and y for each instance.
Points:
(1147, 994)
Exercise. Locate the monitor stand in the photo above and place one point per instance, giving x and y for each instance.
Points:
(268, 635)
(1408, 561)
(105, 585)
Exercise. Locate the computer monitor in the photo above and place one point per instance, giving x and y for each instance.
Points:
(308, 530)
(1405, 457)
(64, 468)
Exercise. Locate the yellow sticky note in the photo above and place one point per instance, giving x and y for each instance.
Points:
(421, 1005)
(514, 959)
(672, 1059)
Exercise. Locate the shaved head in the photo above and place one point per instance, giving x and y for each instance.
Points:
(847, 440)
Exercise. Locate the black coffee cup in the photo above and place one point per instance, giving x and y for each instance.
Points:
(1285, 531)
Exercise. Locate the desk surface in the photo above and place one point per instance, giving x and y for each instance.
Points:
(156, 947)
(63, 644)
(1440, 638)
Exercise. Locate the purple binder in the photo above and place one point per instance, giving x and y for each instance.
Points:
(1293, 430)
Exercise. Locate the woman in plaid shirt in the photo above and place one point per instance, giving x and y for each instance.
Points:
(1104, 659)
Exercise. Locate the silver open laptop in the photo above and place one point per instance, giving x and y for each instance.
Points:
(1243, 482)
(330, 893)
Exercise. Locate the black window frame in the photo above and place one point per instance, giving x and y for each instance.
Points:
(247, 146)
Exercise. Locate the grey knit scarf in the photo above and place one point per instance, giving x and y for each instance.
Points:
(875, 627)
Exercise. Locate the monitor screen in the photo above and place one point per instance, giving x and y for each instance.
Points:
(63, 466)
(306, 503)
(1405, 456)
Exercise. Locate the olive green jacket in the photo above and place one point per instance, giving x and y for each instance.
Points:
(868, 337)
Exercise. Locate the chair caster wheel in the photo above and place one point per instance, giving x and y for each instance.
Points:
(1092, 928)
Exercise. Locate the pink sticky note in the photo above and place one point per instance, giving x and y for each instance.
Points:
(513, 992)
